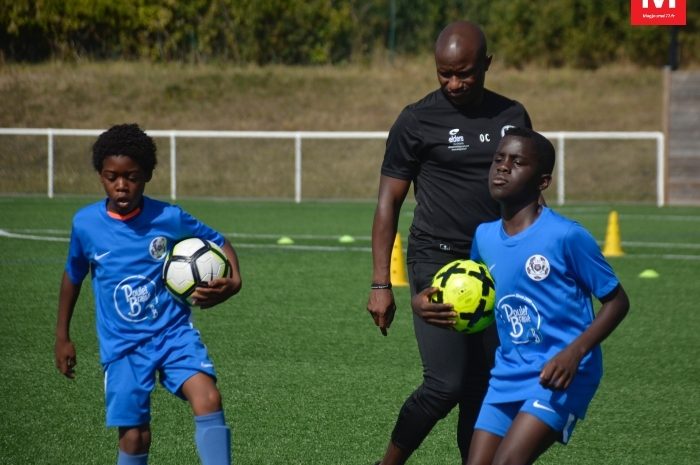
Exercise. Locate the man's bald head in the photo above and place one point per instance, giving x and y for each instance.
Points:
(461, 35)
(461, 62)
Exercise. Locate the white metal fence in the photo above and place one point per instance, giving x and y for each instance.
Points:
(560, 137)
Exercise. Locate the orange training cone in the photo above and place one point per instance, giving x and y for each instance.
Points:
(398, 269)
(612, 246)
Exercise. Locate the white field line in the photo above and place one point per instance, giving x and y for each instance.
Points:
(664, 256)
(47, 236)
(317, 248)
(293, 236)
(31, 237)
(635, 216)
(66, 232)
(661, 245)
(662, 217)
(306, 248)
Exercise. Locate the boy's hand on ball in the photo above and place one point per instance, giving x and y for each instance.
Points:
(215, 292)
(442, 315)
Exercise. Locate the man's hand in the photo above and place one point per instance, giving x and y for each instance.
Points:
(442, 315)
(382, 307)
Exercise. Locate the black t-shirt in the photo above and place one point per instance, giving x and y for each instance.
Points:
(447, 151)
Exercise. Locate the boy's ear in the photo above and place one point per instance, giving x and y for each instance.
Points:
(149, 176)
(545, 181)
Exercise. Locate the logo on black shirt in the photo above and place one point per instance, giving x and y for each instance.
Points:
(505, 128)
(456, 141)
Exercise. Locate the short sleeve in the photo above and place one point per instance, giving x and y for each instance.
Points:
(77, 264)
(401, 157)
(586, 261)
(191, 226)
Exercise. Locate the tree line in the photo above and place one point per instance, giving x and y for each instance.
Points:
(577, 33)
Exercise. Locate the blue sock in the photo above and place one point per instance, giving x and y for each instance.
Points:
(127, 459)
(213, 439)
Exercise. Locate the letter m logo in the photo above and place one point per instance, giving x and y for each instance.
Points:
(659, 4)
(657, 12)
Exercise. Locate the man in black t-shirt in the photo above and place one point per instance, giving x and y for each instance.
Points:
(443, 144)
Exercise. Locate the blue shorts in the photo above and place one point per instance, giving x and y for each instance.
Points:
(497, 418)
(176, 356)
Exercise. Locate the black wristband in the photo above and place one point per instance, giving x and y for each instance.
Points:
(380, 286)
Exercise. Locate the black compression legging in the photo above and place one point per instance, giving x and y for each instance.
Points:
(455, 372)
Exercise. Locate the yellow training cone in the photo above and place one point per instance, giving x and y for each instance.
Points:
(346, 239)
(612, 246)
(649, 274)
(398, 269)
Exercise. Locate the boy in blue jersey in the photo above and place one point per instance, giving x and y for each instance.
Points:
(545, 268)
(142, 330)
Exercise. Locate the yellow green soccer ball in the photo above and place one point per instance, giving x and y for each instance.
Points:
(469, 287)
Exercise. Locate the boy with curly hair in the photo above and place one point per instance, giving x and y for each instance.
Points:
(142, 329)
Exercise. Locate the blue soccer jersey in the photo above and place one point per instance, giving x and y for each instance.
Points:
(544, 276)
(125, 259)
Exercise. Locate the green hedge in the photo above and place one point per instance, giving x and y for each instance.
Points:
(579, 33)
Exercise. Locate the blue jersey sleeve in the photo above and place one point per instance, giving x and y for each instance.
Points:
(594, 273)
(195, 228)
(77, 263)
